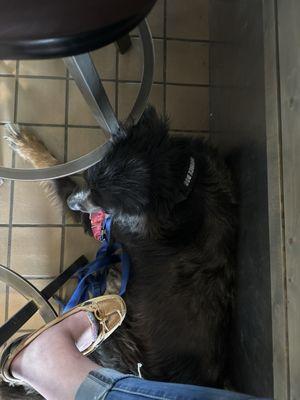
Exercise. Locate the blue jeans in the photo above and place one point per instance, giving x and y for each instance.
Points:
(108, 384)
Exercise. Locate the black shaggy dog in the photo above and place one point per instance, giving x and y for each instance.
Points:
(173, 208)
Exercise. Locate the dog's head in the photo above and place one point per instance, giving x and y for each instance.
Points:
(135, 176)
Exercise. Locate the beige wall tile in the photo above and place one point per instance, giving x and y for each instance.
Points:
(5, 151)
(188, 107)
(187, 62)
(79, 112)
(41, 101)
(83, 140)
(7, 67)
(105, 61)
(4, 202)
(17, 301)
(188, 19)
(128, 93)
(55, 67)
(3, 245)
(7, 99)
(32, 206)
(36, 251)
(131, 63)
(77, 243)
(52, 137)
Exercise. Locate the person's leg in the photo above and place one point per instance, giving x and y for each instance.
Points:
(111, 385)
(52, 363)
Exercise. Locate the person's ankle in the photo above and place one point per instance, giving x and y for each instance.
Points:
(81, 329)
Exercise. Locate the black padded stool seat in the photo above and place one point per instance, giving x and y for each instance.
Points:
(36, 29)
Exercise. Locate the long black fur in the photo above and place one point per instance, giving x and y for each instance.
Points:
(179, 296)
(180, 293)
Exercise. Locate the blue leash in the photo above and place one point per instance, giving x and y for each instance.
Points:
(92, 277)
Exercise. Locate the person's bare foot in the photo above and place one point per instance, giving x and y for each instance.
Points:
(52, 364)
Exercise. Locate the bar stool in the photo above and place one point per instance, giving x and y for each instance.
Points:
(37, 300)
(38, 29)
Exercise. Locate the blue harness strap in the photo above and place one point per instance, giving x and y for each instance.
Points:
(92, 277)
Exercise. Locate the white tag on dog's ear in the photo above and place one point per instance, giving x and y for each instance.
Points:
(139, 366)
(190, 172)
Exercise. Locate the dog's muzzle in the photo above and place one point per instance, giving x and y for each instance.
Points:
(81, 201)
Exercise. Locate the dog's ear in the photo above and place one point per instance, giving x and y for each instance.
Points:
(151, 127)
(119, 134)
(153, 123)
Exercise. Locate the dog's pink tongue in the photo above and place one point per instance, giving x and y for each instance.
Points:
(97, 221)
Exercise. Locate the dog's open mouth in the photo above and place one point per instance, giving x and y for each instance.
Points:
(98, 224)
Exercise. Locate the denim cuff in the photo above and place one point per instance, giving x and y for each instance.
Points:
(98, 383)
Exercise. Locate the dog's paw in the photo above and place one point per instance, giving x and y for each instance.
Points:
(17, 139)
(13, 136)
(22, 142)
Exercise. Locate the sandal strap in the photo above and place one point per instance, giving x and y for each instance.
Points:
(5, 362)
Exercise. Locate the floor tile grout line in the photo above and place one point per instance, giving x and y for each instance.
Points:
(155, 82)
(35, 225)
(39, 277)
(38, 225)
(58, 78)
(178, 39)
(95, 127)
(12, 189)
(54, 125)
(165, 59)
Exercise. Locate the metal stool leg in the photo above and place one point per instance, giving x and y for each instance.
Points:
(123, 44)
(10, 327)
(88, 81)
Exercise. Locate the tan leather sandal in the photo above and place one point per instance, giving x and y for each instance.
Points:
(109, 311)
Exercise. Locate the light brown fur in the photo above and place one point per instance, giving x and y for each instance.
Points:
(31, 149)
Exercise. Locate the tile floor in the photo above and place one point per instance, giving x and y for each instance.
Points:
(36, 240)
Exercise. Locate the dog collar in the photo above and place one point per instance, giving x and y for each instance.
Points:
(188, 182)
